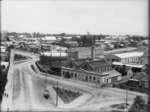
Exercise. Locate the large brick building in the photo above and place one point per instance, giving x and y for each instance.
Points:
(90, 70)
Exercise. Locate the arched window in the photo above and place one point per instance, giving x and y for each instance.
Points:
(98, 80)
(71, 74)
(94, 78)
(75, 75)
(90, 77)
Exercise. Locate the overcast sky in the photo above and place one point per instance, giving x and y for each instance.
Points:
(77, 17)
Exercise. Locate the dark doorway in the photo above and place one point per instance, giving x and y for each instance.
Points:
(86, 78)
(67, 75)
(98, 80)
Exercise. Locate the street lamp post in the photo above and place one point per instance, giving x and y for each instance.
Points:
(45, 79)
(126, 98)
(60, 56)
(57, 95)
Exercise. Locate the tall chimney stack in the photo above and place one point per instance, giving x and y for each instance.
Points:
(93, 52)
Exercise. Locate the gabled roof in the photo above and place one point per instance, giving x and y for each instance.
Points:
(94, 63)
(71, 61)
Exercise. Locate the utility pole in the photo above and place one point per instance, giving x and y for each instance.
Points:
(44, 70)
(126, 98)
(0, 107)
(57, 95)
(60, 57)
(45, 79)
(50, 59)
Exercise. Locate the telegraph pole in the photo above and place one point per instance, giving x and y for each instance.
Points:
(60, 57)
(57, 95)
(45, 79)
(126, 98)
(51, 59)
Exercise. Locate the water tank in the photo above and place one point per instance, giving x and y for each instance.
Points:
(54, 55)
(53, 59)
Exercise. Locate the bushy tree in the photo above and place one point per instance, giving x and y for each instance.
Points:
(138, 105)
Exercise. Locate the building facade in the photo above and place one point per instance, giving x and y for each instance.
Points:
(133, 61)
(98, 72)
(130, 57)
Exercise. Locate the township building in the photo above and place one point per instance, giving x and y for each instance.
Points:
(90, 70)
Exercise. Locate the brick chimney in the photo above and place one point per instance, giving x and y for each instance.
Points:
(93, 52)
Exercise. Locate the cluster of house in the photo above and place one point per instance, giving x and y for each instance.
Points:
(95, 64)
(108, 43)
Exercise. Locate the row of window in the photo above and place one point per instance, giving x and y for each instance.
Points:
(75, 75)
(131, 59)
(90, 77)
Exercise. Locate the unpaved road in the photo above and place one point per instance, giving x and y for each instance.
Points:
(25, 90)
